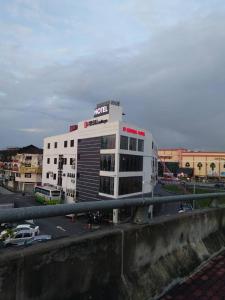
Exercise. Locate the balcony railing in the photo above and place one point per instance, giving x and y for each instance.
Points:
(33, 170)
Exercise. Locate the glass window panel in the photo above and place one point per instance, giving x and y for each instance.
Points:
(133, 144)
(106, 185)
(124, 142)
(108, 141)
(141, 145)
(130, 185)
(131, 163)
(107, 162)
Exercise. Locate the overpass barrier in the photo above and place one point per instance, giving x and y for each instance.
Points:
(36, 212)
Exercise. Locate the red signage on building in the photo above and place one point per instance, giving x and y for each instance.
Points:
(73, 127)
(134, 131)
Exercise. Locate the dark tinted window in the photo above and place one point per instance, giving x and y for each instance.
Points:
(54, 176)
(106, 185)
(141, 145)
(107, 162)
(27, 234)
(108, 142)
(55, 144)
(65, 161)
(71, 161)
(47, 175)
(133, 144)
(18, 236)
(55, 161)
(129, 163)
(48, 160)
(72, 143)
(129, 185)
(124, 142)
(65, 144)
(48, 145)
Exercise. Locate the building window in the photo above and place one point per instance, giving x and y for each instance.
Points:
(141, 145)
(28, 158)
(27, 175)
(47, 175)
(130, 185)
(71, 161)
(131, 163)
(54, 176)
(17, 174)
(124, 142)
(48, 160)
(49, 145)
(106, 185)
(55, 161)
(65, 144)
(152, 145)
(72, 143)
(55, 144)
(27, 165)
(107, 162)
(133, 144)
(224, 165)
(64, 160)
(108, 141)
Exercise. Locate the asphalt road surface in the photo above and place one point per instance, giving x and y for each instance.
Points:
(63, 226)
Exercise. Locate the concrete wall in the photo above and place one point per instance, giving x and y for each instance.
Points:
(130, 262)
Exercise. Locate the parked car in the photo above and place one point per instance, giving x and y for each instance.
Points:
(185, 207)
(9, 232)
(38, 239)
(219, 185)
(18, 238)
(30, 227)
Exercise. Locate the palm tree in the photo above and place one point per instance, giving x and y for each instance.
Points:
(212, 166)
(199, 165)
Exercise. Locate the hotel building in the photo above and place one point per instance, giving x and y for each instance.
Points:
(101, 158)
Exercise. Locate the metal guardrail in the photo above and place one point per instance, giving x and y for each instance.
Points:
(37, 212)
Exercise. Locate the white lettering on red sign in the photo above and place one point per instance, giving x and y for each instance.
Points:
(134, 131)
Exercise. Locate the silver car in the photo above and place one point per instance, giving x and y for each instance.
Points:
(18, 238)
(38, 239)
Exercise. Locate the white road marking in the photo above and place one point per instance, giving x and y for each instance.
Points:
(60, 228)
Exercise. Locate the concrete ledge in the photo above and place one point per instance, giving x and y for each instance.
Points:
(130, 262)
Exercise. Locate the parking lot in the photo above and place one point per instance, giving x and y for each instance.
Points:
(57, 227)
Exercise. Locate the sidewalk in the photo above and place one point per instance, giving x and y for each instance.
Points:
(207, 284)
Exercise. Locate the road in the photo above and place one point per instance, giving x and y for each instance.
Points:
(63, 226)
(55, 226)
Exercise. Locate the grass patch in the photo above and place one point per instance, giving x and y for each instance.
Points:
(203, 203)
(174, 188)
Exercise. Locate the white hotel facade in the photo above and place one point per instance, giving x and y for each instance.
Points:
(101, 158)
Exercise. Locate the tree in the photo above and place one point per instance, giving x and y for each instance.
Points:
(199, 165)
(212, 166)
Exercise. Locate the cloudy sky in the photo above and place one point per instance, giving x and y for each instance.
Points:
(163, 59)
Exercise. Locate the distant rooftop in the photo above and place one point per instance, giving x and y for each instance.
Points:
(31, 149)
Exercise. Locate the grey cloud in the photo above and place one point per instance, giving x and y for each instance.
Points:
(172, 84)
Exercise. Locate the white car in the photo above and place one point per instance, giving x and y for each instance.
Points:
(19, 238)
(34, 230)
(30, 227)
